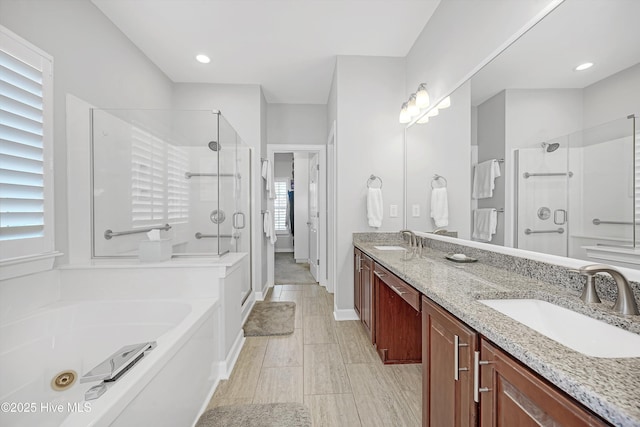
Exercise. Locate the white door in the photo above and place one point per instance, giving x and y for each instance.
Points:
(314, 213)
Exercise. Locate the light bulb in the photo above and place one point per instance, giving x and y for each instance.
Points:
(405, 117)
(433, 112)
(422, 96)
(413, 109)
(445, 103)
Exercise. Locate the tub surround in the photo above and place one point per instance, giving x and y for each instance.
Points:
(609, 387)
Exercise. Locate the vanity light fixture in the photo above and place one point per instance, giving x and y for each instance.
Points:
(584, 66)
(203, 59)
(422, 96)
(412, 107)
(405, 117)
(445, 103)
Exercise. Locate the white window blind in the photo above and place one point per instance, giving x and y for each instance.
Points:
(177, 185)
(280, 204)
(26, 215)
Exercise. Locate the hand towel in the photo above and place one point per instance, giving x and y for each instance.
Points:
(440, 206)
(374, 207)
(484, 176)
(269, 227)
(267, 174)
(485, 224)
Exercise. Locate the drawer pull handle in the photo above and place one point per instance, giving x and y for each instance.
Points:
(456, 357)
(397, 291)
(476, 376)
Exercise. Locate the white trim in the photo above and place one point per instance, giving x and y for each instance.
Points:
(332, 192)
(272, 149)
(260, 295)
(227, 365)
(345, 314)
(22, 266)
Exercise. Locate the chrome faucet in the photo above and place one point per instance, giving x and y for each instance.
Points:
(413, 239)
(625, 302)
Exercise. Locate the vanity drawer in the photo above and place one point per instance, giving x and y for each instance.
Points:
(405, 291)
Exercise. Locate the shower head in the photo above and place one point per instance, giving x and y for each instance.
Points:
(550, 148)
(214, 146)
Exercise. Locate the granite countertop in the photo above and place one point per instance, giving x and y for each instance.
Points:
(609, 387)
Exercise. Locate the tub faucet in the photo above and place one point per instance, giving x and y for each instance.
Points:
(625, 301)
(413, 239)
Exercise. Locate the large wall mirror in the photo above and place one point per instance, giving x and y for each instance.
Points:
(535, 154)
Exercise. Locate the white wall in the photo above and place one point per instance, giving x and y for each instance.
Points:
(441, 147)
(612, 98)
(242, 106)
(297, 124)
(369, 92)
(94, 61)
(459, 36)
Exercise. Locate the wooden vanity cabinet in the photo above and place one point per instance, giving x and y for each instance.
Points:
(397, 318)
(363, 291)
(448, 347)
(515, 396)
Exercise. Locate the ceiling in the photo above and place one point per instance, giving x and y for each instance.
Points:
(604, 32)
(287, 46)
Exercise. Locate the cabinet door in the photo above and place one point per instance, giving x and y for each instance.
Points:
(367, 302)
(515, 396)
(357, 281)
(448, 347)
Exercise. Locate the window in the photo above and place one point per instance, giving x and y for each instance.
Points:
(280, 203)
(26, 173)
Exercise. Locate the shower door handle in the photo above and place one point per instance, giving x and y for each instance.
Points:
(556, 215)
(237, 224)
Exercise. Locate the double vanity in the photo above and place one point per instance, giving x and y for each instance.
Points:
(502, 341)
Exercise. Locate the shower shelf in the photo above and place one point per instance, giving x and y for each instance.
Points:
(527, 174)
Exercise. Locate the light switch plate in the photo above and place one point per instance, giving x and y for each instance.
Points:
(415, 211)
(393, 211)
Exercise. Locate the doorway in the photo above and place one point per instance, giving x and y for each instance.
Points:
(298, 207)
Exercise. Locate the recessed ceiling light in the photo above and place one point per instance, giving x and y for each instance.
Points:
(584, 66)
(203, 59)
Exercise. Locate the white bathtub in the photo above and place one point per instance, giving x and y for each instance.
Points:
(166, 388)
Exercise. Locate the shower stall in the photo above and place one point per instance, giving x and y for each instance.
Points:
(176, 181)
(579, 191)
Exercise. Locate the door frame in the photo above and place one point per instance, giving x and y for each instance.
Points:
(272, 149)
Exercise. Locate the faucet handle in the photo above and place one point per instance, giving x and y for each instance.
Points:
(589, 293)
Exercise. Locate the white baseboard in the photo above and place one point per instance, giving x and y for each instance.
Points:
(349, 314)
(228, 364)
(261, 295)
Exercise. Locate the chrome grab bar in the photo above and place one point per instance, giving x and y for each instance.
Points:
(596, 221)
(530, 231)
(108, 234)
(200, 235)
(188, 175)
(527, 174)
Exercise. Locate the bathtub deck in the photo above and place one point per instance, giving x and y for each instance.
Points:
(330, 366)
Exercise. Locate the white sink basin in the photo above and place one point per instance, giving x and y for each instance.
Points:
(579, 332)
(390, 248)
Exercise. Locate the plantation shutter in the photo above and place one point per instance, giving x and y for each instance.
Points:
(21, 150)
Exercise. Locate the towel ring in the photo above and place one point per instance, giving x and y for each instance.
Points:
(435, 179)
(372, 179)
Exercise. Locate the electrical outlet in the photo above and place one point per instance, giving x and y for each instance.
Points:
(393, 211)
(415, 211)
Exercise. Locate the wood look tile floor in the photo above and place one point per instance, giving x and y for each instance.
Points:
(329, 366)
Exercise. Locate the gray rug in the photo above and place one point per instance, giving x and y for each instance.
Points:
(287, 271)
(267, 415)
(270, 318)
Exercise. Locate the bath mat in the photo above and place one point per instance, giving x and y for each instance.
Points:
(270, 318)
(267, 415)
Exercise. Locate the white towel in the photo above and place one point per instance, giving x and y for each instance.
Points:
(374, 207)
(440, 206)
(484, 176)
(269, 227)
(485, 224)
(267, 174)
